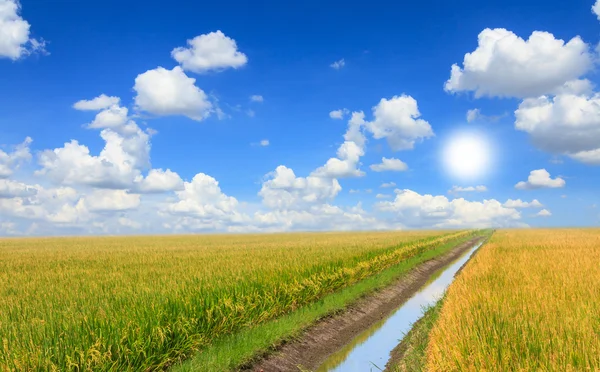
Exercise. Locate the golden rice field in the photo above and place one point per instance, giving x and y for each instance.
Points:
(141, 303)
(529, 300)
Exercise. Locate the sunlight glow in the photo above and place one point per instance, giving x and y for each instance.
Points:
(467, 156)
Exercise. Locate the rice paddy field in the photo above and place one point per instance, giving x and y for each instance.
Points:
(144, 303)
(529, 300)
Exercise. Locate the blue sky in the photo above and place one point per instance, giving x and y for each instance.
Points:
(185, 155)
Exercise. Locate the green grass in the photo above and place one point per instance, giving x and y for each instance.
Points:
(231, 351)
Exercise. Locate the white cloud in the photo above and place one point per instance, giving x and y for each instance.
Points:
(596, 9)
(544, 213)
(250, 113)
(67, 214)
(36, 210)
(345, 165)
(14, 189)
(368, 191)
(510, 203)
(96, 104)
(397, 120)
(354, 133)
(383, 196)
(319, 217)
(257, 98)
(111, 117)
(118, 166)
(158, 181)
(589, 157)
(111, 200)
(9, 161)
(505, 65)
(459, 189)
(415, 210)
(354, 191)
(264, 143)
(303, 203)
(338, 64)
(348, 154)
(33, 202)
(203, 206)
(473, 115)
(565, 124)
(577, 87)
(338, 114)
(212, 51)
(15, 40)
(391, 164)
(283, 190)
(538, 179)
(125, 153)
(171, 92)
(388, 184)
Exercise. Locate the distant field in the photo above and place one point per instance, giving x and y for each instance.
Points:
(139, 303)
(528, 301)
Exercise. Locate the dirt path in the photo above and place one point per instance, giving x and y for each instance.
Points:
(330, 334)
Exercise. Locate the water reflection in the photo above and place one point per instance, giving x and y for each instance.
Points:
(370, 350)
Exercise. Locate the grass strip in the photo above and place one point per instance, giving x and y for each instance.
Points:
(232, 351)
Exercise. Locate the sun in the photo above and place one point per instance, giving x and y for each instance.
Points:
(467, 156)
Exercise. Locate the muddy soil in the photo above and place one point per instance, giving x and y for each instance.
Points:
(330, 334)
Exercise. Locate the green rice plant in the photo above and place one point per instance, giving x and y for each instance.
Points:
(143, 303)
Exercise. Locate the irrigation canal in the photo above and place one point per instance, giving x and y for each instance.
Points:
(370, 350)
